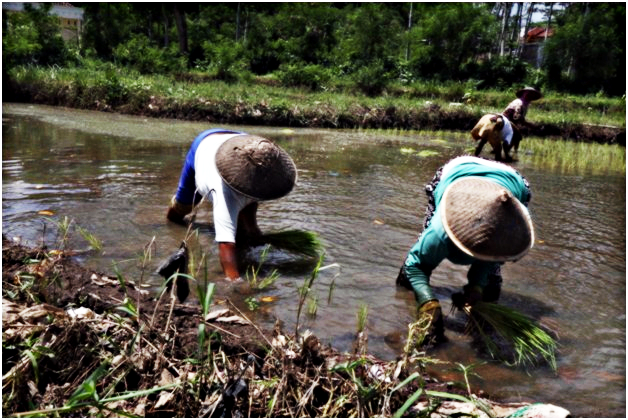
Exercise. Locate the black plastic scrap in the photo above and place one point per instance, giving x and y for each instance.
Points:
(177, 263)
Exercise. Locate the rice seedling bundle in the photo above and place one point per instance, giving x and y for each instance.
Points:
(298, 241)
(527, 339)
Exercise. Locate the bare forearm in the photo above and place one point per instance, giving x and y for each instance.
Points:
(228, 259)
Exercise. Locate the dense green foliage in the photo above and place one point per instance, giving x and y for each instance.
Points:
(589, 50)
(334, 46)
(32, 37)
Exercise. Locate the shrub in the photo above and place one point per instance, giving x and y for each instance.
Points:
(500, 72)
(138, 53)
(313, 76)
(227, 60)
(371, 79)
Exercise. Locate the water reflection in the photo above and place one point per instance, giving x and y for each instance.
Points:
(114, 176)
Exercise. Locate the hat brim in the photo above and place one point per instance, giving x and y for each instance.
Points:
(474, 253)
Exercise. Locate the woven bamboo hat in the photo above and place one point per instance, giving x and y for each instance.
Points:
(533, 93)
(486, 221)
(256, 167)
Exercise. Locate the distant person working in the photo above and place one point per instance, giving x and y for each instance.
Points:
(503, 131)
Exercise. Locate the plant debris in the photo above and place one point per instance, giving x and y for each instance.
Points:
(81, 344)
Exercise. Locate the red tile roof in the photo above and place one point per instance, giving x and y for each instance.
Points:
(538, 34)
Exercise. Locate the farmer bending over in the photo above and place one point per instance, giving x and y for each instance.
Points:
(503, 131)
(499, 133)
(235, 171)
(516, 110)
(476, 216)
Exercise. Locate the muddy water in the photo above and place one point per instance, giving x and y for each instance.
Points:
(363, 193)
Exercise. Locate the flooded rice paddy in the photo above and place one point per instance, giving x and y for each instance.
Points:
(362, 192)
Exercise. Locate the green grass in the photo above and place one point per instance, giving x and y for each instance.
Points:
(88, 85)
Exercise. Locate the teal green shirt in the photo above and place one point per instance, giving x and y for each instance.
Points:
(434, 245)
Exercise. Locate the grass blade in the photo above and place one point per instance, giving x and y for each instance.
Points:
(407, 404)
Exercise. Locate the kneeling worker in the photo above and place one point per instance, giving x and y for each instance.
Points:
(476, 216)
(234, 171)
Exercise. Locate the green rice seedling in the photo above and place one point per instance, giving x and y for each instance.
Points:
(527, 339)
(94, 242)
(312, 306)
(205, 296)
(119, 277)
(63, 227)
(254, 279)
(332, 287)
(362, 317)
(128, 307)
(361, 340)
(302, 242)
(575, 157)
(304, 291)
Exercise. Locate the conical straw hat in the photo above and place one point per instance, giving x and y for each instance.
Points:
(533, 93)
(486, 221)
(256, 167)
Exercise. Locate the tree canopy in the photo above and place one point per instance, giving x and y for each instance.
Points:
(370, 44)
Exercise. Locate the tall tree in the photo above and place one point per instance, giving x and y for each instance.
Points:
(590, 41)
(450, 35)
(506, 9)
(516, 29)
(106, 26)
(182, 27)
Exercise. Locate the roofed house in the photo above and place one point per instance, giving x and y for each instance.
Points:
(533, 44)
(70, 17)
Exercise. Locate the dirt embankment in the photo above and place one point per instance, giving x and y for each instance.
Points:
(81, 343)
(430, 117)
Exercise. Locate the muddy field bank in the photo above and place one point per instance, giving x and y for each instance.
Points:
(423, 117)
